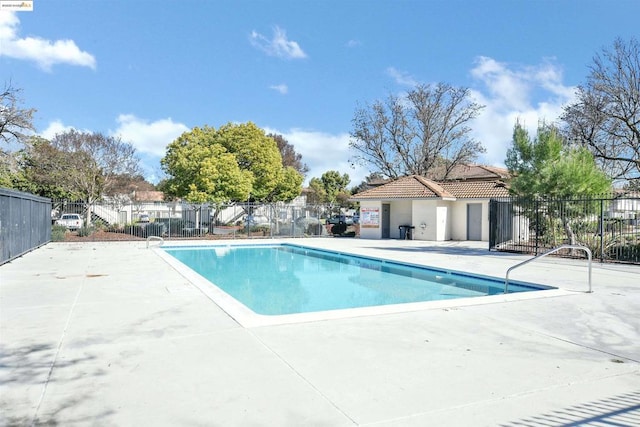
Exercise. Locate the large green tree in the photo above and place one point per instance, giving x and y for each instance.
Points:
(330, 188)
(236, 162)
(545, 168)
(202, 171)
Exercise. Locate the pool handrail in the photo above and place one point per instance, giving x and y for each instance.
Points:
(154, 238)
(549, 252)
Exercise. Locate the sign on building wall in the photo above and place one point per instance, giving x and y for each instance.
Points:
(370, 217)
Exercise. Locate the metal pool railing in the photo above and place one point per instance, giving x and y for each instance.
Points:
(584, 248)
(158, 238)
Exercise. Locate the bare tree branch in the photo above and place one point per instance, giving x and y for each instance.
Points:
(417, 134)
(15, 122)
(76, 164)
(606, 116)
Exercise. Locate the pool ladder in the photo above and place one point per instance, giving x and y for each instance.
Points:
(158, 238)
(584, 248)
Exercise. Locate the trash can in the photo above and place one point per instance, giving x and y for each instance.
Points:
(405, 232)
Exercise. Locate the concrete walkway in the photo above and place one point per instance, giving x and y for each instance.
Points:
(109, 334)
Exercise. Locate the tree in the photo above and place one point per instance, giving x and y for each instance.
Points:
(335, 184)
(633, 186)
(289, 155)
(372, 178)
(15, 122)
(129, 185)
(331, 187)
(8, 169)
(254, 151)
(546, 168)
(289, 185)
(414, 134)
(45, 169)
(606, 116)
(78, 164)
(236, 162)
(202, 171)
(318, 195)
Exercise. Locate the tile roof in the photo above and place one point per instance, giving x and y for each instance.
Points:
(467, 171)
(408, 187)
(418, 187)
(476, 189)
(148, 196)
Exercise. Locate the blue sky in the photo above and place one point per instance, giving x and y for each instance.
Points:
(150, 70)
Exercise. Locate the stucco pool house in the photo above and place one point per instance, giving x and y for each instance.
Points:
(456, 208)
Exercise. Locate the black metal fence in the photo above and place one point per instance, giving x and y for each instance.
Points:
(174, 220)
(608, 225)
(25, 223)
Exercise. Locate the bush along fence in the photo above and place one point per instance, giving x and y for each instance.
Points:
(24, 223)
(608, 225)
(175, 220)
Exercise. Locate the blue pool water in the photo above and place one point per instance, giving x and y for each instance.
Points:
(287, 279)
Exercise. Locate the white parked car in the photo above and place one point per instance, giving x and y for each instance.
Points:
(71, 221)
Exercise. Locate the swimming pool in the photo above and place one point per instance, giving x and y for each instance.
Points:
(285, 279)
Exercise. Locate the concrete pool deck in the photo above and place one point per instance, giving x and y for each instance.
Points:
(110, 334)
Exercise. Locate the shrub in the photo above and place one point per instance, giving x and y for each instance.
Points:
(85, 231)
(57, 233)
(339, 229)
(100, 225)
(626, 253)
(264, 229)
(115, 228)
(595, 242)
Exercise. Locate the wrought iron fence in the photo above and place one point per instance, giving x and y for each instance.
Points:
(25, 223)
(115, 220)
(608, 225)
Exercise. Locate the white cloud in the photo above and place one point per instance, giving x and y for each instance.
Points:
(148, 137)
(45, 53)
(509, 94)
(353, 43)
(529, 94)
(55, 127)
(323, 152)
(282, 88)
(401, 77)
(278, 46)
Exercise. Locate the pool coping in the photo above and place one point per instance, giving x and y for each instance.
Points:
(250, 319)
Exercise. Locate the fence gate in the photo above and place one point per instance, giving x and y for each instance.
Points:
(500, 222)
